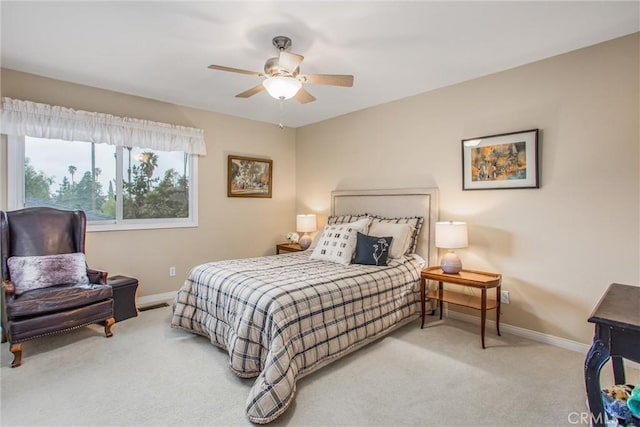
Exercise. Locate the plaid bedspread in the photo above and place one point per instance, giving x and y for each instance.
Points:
(283, 316)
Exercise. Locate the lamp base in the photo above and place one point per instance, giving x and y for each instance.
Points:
(451, 263)
(305, 241)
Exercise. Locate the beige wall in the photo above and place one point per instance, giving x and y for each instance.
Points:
(228, 227)
(558, 247)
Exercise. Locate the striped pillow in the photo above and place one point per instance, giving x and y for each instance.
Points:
(344, 219)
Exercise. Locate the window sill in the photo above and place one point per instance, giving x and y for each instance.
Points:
(139, 226)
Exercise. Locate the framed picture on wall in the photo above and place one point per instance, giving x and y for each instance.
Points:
(249, 177)
(507, 160)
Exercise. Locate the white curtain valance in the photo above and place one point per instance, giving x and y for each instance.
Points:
(26, 118)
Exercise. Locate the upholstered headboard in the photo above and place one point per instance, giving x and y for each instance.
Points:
(395, 203)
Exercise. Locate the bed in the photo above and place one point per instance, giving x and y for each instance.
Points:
(284, 316)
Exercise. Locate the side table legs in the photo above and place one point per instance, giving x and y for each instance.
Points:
(422, 299)
(483, 313)
(498, 309)
(441, 298)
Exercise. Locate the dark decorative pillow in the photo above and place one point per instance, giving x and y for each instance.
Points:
(371, 250)
(35, 272)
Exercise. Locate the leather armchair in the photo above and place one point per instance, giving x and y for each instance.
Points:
(38, 312)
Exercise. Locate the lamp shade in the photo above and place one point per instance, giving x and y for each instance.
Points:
(282, 87)
(306, 223)
(451, 235)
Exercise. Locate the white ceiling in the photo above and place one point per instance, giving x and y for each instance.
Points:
(161, 50)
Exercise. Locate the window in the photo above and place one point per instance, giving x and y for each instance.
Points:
(118, 187)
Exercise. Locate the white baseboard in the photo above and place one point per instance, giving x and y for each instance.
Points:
(532, 335)
(155, 299)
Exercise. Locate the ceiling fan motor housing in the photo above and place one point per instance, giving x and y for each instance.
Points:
(282, 42)
(272, 68)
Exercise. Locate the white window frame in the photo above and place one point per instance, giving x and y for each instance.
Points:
(15, 193)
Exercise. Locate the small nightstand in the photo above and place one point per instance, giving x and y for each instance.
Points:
(474, 279)
(288, 247)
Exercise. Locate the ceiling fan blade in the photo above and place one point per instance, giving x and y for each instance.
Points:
(235, 70)
(304, 97)
(251, 92)
(289, 61)
(328, 79)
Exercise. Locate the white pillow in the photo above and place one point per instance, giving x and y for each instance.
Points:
(401, 234)
(414, 221)
(363, 223)
(315, 240)
(338, 242)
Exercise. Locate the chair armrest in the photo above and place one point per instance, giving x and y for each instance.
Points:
(8, 288)
(97, 276)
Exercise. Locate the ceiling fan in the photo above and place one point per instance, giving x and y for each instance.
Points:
(282, 75)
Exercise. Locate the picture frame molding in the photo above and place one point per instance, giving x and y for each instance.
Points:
(530, 137)
(231, 192)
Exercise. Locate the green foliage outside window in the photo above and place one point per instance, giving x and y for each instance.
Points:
(145, 196)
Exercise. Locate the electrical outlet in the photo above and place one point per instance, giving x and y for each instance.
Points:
(172, 271)
(504, 297)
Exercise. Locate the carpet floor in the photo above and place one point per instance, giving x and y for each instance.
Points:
(149, 374)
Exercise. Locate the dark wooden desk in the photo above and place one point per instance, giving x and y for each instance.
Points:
(617, 336)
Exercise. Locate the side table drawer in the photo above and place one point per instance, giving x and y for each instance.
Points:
(124, 296)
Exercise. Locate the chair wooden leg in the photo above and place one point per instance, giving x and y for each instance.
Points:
(107, 326)
(16, 349)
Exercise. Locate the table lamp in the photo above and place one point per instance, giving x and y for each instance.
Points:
(305, 224)
(451, 235)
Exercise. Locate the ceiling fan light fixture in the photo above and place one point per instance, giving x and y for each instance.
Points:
(282, 87)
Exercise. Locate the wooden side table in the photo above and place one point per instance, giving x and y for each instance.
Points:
(288, 247)
(470, 278)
